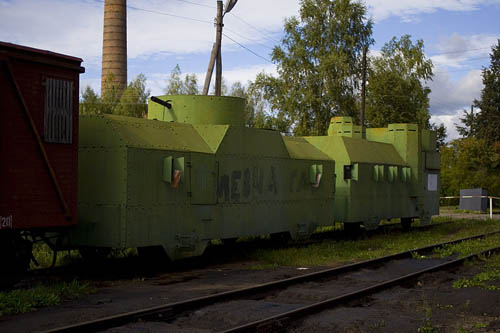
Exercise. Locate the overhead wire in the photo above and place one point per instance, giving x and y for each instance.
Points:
(203, 21)
(254, 28)
(249, 39)
(460, 51)
(163, 13)
(197, 4)
(246, 48)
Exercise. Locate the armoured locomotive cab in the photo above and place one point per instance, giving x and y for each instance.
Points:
(193, 172)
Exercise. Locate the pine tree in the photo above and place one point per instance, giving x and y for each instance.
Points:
(488, 120)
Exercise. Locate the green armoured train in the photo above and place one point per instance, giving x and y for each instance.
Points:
(193, 172)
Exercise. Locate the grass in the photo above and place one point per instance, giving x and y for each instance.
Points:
(488, 278)
(466, 248)
(27, 300)
(338, 252)
(455, 209)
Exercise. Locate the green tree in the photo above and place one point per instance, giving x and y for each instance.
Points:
(395, 92)
(470, 163)
(257, 114)
(177, 86)
(488, 120)
(111, 97)
(318, 64)
(90, 102)
(440, 134)
(224, 91)
(133, 102)
(469, 121)
(128, 102)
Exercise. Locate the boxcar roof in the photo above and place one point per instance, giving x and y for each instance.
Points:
(41, 56)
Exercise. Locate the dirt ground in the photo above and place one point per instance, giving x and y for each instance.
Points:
(430, 305)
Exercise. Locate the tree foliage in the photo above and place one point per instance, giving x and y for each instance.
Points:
(178, 86)
(440, 134)
(133, 101)
(395, 92)
(487, 121)
(318, 63)
(257, 113)
(470, 163)
(469, 121)
(128, 102)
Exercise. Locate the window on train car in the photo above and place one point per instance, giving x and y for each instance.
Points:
(58, 111)
(381, 172)
(406, 174)
(167, 169)
(347, 172)
(375, 173)
(355, 171)
(314, 171)
(393, 173)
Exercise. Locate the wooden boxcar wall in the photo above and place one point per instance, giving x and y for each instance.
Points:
(38, 138)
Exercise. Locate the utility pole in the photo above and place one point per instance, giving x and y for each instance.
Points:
(471, 119)
(216, 55)
(363, 93)
(218, 41)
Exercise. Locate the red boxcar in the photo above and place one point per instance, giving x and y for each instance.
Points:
(38, 143)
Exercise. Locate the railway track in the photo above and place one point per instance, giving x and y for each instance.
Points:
(275, 305)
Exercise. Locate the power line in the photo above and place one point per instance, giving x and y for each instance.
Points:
(459, 70)
(203, 21)
(237, 17)
(246, 48)
(254, 28)
(460, 51)
(197, 4)
(162, 13)
(249, 39)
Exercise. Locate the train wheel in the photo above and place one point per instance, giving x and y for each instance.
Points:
(153, 256)
(229, 242)
(406, 223)
(280, 238)
(352, 228)
(16, 258)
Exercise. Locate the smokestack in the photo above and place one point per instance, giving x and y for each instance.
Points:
(114, 44)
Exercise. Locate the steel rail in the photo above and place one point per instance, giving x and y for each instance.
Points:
(171, 309)
(289, 316)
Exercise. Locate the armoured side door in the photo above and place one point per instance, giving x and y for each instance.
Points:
(203, 171)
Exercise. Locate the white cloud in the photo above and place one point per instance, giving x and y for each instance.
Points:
(456, 50)
(408, 9)
(450, 122)
(94, 83)
(449, 95)
(75, 27)
(245, 74)
(69, 27)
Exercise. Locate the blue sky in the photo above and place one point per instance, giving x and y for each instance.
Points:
(458, 36)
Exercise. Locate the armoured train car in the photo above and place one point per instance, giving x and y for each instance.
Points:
(193, 172)
(392, 173)
(38, 148)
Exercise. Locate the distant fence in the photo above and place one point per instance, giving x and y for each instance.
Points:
(476, 196)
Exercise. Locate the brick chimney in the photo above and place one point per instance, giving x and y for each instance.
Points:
(114, 45)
